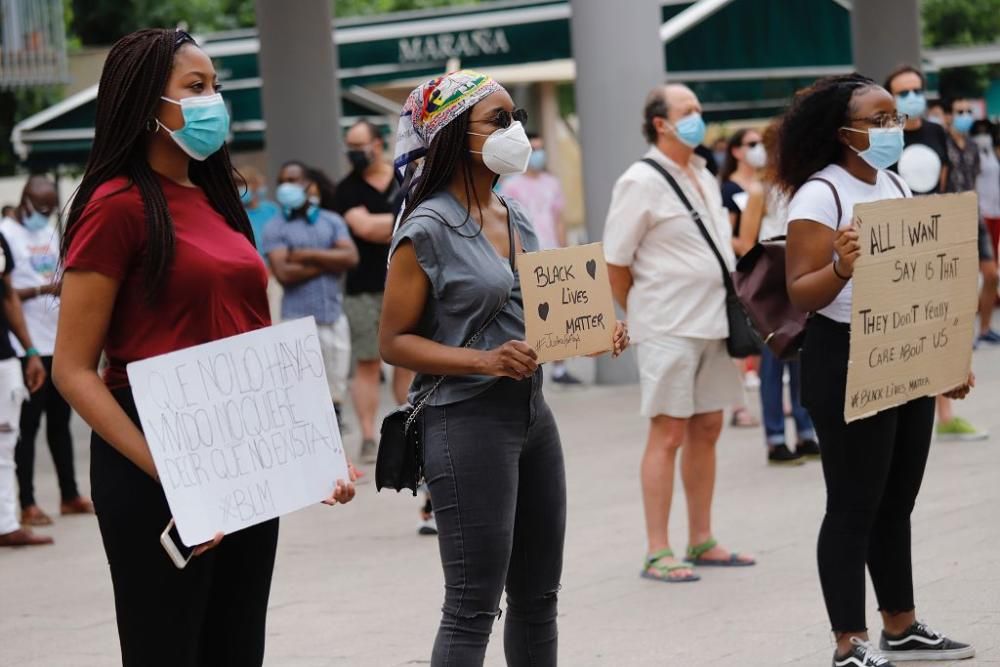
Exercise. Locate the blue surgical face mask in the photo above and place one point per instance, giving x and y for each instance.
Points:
(962, 122)
(913, 104)
(291, 196)
(35, 221)
(690, 129)
(206, 125)
(537, 160)
(885, 146)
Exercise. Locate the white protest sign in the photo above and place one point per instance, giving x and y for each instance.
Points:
(568, 308)
(915, 298)
(241, 429)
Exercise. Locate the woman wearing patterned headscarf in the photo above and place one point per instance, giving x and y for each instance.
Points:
(453, 309)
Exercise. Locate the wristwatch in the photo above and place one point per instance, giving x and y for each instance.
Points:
(30, 352)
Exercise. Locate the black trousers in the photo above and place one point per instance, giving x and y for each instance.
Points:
(210, 614)
(494, 466)
(57, 416)
(873, 468)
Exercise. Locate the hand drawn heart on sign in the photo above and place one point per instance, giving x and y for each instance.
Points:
(592, 269)
(543, 311)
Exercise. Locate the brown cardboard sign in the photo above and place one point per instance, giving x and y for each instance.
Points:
(568, 309)
(915, 297)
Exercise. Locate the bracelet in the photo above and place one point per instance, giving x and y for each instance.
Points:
(837, 273)
(30, 352)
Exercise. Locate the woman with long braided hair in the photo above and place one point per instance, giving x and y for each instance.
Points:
(453, 309)
(159, 256)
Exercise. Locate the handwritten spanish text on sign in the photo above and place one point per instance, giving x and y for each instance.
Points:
(241, 429)
(568, 310)
(915, 300)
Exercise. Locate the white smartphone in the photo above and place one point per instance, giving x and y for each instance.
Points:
(171, 541)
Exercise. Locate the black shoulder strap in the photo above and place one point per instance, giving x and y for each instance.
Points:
(511, 232)
(895, 181)
(836, 197)
(727, 279)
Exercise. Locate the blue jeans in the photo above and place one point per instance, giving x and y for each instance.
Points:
(772, 403)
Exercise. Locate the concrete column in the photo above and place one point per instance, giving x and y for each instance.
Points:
(884, 34)
(613, 77)
(299, 91)
(548, 127)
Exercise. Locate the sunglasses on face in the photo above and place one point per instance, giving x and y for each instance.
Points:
(963, 112)
(911, 91)
(504, 118)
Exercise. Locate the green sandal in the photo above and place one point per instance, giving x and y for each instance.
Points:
(695, 553)
(663, 569)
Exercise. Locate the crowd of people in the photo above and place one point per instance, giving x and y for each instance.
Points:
(409, 269)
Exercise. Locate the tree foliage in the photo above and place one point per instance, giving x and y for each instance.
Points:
(962, 23)
(101, 22)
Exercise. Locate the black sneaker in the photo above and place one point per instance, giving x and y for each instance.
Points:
(808, 448)
(922, 643)
(566, 379)
(781, 455)
(862, 654)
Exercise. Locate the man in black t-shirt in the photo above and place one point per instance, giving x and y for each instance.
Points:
(907, 85)
(12, 395)
(366, 200)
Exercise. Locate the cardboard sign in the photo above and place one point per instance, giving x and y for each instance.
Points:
(241, 429)
(915, 298)
(568, 309)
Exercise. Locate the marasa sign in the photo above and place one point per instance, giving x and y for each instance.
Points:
(468, 44)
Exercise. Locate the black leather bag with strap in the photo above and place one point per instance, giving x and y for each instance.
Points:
(743, 340)
(399, 463)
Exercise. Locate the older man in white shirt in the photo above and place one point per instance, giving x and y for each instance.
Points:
(666, 276)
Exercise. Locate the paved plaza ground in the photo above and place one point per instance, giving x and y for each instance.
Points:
(355, 586)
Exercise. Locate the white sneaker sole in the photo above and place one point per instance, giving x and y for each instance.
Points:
(950, 654)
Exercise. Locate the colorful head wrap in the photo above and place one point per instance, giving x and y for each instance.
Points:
(431, 106)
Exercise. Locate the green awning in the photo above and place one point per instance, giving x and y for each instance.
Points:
(744, 60)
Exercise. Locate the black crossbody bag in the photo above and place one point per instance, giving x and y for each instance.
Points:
(743, 340)
(400, 461)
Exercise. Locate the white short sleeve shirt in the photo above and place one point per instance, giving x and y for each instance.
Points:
(678, 288)
(36, 258)
(814, 202)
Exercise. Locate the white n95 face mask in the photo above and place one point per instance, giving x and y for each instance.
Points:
(507, 150)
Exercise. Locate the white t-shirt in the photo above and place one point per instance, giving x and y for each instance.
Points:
(678, 288)
(36, 258)
(988, 183)
(775, 220)
(814, 201)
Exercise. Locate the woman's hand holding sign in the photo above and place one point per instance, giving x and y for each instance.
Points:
(962, 391)
(514, 359)
(343, 492)
(847, 245)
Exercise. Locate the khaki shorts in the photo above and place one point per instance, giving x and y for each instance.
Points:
(680, 377)
(363, 312)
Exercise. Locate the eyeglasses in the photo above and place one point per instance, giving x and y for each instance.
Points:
(883, 120)
(911, 91)
(504, 118)
(182, 38)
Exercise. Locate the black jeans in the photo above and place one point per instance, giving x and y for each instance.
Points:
(873, 469)
(57, 415)
(494, 466)
(210, 614)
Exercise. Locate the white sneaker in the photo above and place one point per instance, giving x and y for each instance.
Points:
(427, 526)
